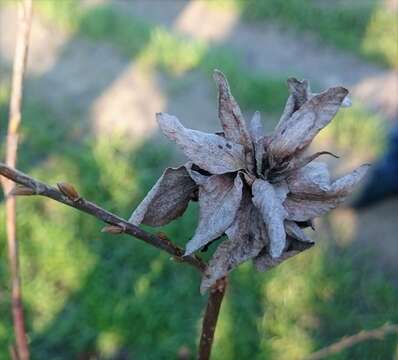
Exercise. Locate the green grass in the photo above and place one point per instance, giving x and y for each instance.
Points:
(365, 27)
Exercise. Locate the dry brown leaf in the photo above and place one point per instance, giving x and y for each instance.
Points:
(239, 247)
(219, 200)
(264, 262)
(256, 127)
(299, 93)
(303, 206)
(296, 232)
(300, 90)
(209, 151)
(312, 178)
(229, 113)
(167, 200)
(268, 203)
(297, 132)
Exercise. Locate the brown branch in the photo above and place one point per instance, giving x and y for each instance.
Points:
(68, 197)
(210, 318)
(347, 342)
(21, 54)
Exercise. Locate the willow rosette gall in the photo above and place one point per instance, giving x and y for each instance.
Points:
(259, 189)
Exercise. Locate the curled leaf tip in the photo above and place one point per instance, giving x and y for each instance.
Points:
(331, 154)
(346, 102)
(218, 73)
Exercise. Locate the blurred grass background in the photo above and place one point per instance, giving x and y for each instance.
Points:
(90, 295)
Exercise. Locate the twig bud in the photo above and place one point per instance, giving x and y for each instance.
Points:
(22, 190)
(112, 229)
(69, 191)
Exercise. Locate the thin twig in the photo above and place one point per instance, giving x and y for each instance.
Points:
(20, 59)
(349, 341)
(79, 203)
(210, 318)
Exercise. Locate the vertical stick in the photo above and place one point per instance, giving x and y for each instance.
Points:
(21, 53)
(210, 318)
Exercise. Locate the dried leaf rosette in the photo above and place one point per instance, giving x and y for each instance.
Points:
(259, 189)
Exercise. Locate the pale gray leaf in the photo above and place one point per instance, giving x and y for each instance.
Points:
(239, 247)
(258, 231)
(195, 175)
(346, 102)
(259, 152)
(297, 132)
(256, 127)
(346, 184)
(303, 205)
(300, 92)
(232, 120)
(297, 163)
(167, 200)
(268, 203)
(264, 262)
(257, 134)
(296, 232)
(313, 178)
(209, 151)
(287, 111)
(281, 190)
(219, 200)
(306, 209)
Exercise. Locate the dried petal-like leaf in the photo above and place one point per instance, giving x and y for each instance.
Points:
(209, 151)
(259, 154)
(296, 232)
(297, 132)
(297, 163)
(239, 247)
(346, 184)
(196, 175)
(167, 200)
(258, 231)
(256, 127)
(230, 115)
(305, 205)
(219, 200)
(312, 178)
(281, 190)
(287, 111)
(346, 102)
(300, 92)
(269, 204)
(257, 134)
(264, 262)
